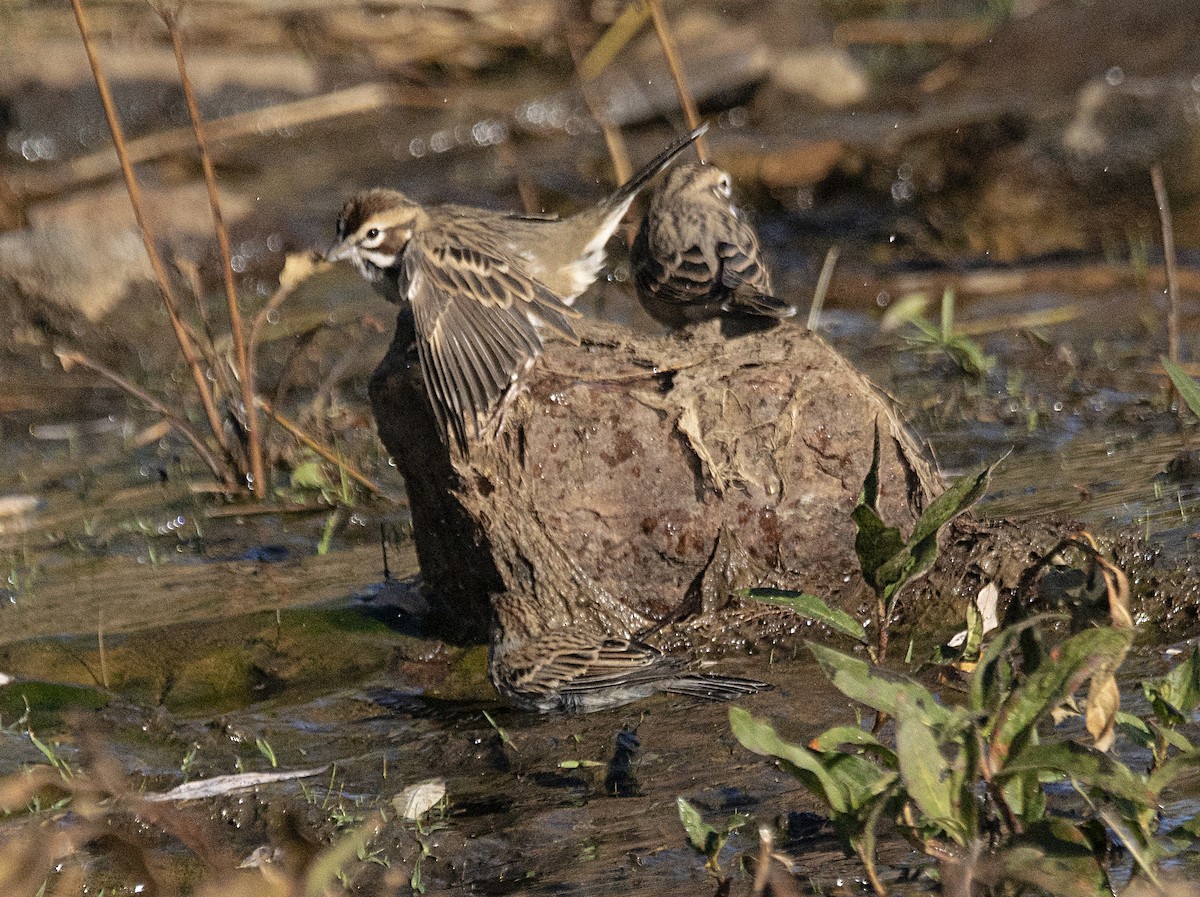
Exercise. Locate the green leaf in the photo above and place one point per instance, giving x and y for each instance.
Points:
(811, 608)
(1136, 730)
(310, 475)
(835, 738)
(874, 541)
(875, 687)
(1096, 770)
(1053, 856)
(868, 495)
(1076, 660)
(925, 771)
(1173, 769)
(844, 781)
(967, 490)
(908, 308)
(1187, 387)
(1025, 796)
(990, 681)
(969, 356)
(875, 544)
(761, 738)
(917, 555)
(1177, 694)
(701, 835)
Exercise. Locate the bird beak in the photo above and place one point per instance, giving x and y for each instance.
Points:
(342, 250)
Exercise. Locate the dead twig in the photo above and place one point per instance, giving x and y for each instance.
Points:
(245, 365)
(156, 263)
(297, 268)
(350, 469)
(220, 471)
(686, 100)
(618, 151)
(619, 33)
(818, 300)
(1169, 260)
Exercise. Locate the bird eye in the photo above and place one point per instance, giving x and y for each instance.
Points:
(724, 187)
(372, 238)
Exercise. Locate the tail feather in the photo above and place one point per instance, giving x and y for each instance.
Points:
(755, 303)
(714, 688)
(603, 219)
(624, 194)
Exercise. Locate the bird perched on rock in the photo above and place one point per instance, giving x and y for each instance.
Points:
(482, 284)
(569, 670)
(696, 256)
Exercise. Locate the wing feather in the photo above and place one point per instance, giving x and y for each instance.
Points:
(569, 665)
(477, 315)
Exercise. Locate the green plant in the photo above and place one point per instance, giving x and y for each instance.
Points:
(706, 839)
(940, 338)
(1173, 698)
(888, 560)
(965, 784)
(1188, 389)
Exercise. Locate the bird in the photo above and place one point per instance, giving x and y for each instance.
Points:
(570, 670)
(482, 284)
(696, 256)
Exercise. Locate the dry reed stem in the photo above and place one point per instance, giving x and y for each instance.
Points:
(297, 268)
(100, 647)
(156, 262)
(1169, 260)
(351, 471)
(619, 33)
(245, 365)
(220, 471)
(618, 151)
(818, 300)
(686, 100)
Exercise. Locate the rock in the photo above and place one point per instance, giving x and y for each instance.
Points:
(827, 75)
(79, 275)
(1124, 124)
(637, 481)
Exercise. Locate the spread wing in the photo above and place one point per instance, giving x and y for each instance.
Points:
(477, 316)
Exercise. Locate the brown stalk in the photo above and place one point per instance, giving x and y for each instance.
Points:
(818, 300)
(220, 471)
(245, 366)
(686, 100)
(351, 470)
(1169, 259)
(619, 33)
(156, 263)
(297, 268)
(617, 149)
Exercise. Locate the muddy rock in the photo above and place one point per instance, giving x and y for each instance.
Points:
(637, 481)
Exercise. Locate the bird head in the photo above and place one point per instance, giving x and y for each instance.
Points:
(697, 178)
(373, 230)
